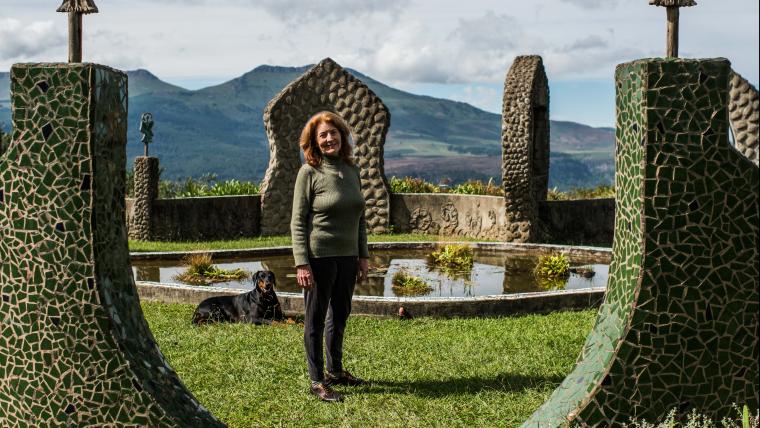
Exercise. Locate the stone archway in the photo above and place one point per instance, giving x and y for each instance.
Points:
(525, 146)
(326, 86)
(76, 350)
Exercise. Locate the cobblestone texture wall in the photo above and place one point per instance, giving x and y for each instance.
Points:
(744, 112)
(525, 146)
(679, 324)
(75, 348)
(326, 86)
(146, 192)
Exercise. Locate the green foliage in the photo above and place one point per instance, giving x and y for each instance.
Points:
(404, 284)
(206, 185)
(600, 191)
(412, 185)
(201, 271)
(551, 271)
(477, 187)
(452, 258)
(742, 419)
(425, 372)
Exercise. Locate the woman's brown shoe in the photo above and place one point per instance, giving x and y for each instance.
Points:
(325, 393)
(343, 378)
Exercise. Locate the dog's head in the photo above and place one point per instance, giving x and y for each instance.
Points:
(264, 281)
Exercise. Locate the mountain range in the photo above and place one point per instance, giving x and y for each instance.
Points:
(219, 129)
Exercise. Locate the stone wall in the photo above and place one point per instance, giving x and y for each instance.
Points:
(578, 222)
(679, 324)
(326, 86)
(744, 113)
(525, 145)
(205, 218)
(76, 350)
(451, 215)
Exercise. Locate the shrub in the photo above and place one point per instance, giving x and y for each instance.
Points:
(412, 185)
(554, 265)
(477, 187)
(404, 284)
(452, 258)
(201, 271)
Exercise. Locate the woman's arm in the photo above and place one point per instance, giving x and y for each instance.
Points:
(299, 221)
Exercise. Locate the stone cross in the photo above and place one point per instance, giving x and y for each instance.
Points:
(146, 129)
(75, 9)
(672, 10)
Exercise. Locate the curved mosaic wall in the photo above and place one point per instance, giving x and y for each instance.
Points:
(679, 325)
(744, 112)
(75, 348)
(525, 146)
(326, 86)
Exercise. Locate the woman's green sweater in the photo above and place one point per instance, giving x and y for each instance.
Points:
(328, 212)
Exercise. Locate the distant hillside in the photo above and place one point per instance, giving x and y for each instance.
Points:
(219, 129)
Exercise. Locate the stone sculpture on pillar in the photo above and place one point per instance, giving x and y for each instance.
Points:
(146, 172)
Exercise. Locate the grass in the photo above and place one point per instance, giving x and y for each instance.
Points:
(276, 241)
(425, 372)
(404, 284)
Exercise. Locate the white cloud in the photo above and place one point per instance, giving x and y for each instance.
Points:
(592, 4)
(24, 41)
(585, 43)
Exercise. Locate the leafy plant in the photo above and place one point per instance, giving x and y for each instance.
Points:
(412, 185)
(201, 271)
(453, 257)
(404, 284)
(694, 419)
(477, 187)
(551, 271)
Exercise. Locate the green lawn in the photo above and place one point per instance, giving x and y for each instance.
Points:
(424, 372)
(274, 241)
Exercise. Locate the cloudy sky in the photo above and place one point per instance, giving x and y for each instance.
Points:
(448, 48)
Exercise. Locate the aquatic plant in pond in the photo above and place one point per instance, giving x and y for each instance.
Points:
(404, 284)
(201, 271)
(554, 265)
(452, 258)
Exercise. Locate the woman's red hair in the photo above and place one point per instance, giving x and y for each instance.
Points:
(308, 140)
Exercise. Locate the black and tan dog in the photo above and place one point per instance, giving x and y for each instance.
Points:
(258, 306)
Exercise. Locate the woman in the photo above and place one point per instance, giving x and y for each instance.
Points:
(329, 246)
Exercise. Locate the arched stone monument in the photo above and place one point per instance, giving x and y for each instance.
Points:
(525, 146)
(75, 348)
(679, 324)
(326, 86)
(744, 113)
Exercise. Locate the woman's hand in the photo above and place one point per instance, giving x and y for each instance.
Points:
(304, 277)
(363, 269)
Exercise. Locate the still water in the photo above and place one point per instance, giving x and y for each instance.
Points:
(494, 272)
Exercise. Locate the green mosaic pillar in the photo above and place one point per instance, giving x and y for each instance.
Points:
(679, 325)
(74, 347)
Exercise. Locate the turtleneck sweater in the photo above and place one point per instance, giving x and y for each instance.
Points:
(328, 212)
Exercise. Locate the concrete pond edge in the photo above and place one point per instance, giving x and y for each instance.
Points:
(437, 307)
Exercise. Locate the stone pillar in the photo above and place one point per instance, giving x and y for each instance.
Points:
(525, 146)
(75, 348)
(679, 324)
(146, 191)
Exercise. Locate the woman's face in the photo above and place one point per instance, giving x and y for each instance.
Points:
(328, 139)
